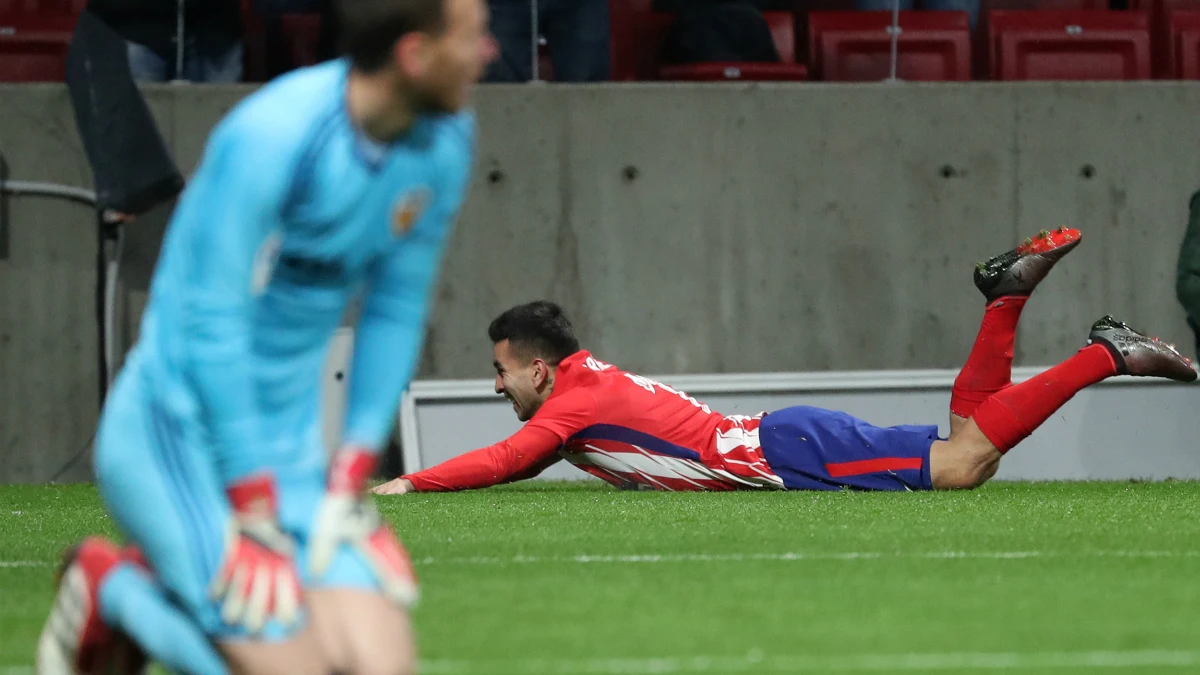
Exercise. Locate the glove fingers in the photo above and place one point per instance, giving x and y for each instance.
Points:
(234, 605)
(402, 592)
(287, 598)
(220, 584)
(391, 565)
(258, 600)
(321, 555)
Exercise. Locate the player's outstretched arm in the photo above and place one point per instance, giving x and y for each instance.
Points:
(522, 455)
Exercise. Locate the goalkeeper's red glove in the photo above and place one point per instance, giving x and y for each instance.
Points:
(348, 516)
(257, 581)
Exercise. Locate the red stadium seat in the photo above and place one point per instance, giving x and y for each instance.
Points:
(857, 46)
(1184, 45)
(254, 42)
(649, 36)
(783, 33)
(1069, 45)
(33, 48)
(650, 30)
(1041, 5)
(980, 37)
(301, 38)
(1161, 34)
(11, 7)
(622, 15)
(277, 43)
(721, 72)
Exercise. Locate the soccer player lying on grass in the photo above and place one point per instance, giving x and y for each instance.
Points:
(629, 430)
(259, 554)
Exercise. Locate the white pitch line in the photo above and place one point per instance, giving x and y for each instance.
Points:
(799, 556)
(757, 662)
(745, 557)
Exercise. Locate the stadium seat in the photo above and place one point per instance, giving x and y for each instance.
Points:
(722, 72)
(254, 42)
(857, 46)
(623, 51)
(1041, 5)
(980, 34)
(783, 32)
(276, 43)
(11, 7)
(33, 47)
(1162, 36)
(650, 30)
(300, 35)
(1184, 45)
(1068, 45)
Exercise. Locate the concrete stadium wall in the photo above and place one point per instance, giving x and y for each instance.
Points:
(687, 229)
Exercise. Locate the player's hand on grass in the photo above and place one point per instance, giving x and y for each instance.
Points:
(348, 516)
(257, 581)
(398, 486)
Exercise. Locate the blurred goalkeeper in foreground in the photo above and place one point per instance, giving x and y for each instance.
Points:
(629, 430)
(255, 553)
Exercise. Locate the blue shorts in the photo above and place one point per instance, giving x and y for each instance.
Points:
(817, 449)
(156, 476)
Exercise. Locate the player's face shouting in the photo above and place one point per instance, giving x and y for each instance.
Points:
(522, 382)
(459, 55)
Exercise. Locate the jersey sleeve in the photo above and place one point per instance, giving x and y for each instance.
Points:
(233, 207)
(387, 341)
(522, 455)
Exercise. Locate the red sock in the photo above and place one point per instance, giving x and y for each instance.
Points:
(1011, 415)
(989, 366)
(133, 554)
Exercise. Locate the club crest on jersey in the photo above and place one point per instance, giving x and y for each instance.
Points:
(408, 209)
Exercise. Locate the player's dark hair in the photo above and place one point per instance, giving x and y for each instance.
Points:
(369, 29)
(536, 330)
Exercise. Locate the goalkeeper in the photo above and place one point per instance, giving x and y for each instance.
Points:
(335, 181)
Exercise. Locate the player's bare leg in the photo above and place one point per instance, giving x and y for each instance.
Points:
(973, 455)
(1006, 282)
(363, 633)
(298, 655)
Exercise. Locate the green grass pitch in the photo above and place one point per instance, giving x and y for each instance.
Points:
(569, 578)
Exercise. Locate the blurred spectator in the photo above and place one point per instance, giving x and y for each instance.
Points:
(211, 32)
(132, 169)
(1187, 275)
(971, 7)
(716, 31)
(575, 30)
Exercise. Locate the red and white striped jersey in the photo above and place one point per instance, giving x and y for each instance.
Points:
(623, 428)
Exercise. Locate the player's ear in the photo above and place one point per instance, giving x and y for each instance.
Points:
(541, 372)
(412, 54)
